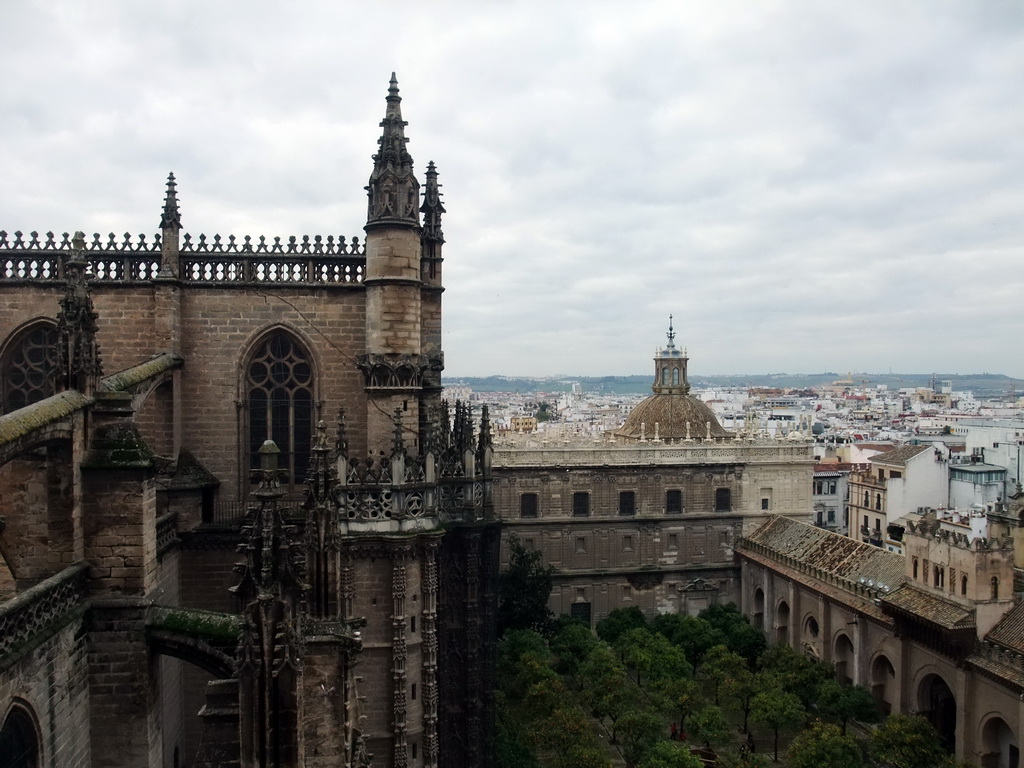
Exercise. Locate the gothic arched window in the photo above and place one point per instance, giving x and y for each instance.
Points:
(29, 366)
(279, 400)
(19, 740)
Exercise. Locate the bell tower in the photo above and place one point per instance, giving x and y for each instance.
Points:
(670, 367)
(393, 365)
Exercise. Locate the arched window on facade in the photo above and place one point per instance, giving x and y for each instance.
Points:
(867, 499)
(915, 569)
(279, 403)
(963, 585)
(19, 740)
(675, 377)
(995, 587)
(878, 502)
(29, 366)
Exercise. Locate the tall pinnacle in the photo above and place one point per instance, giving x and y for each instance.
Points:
(671, 334)
(393, 190)
(432, 207)
(171, 217)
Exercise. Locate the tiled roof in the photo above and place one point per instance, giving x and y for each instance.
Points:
(831, 552)
(1009, 632)
(900, 455)
(931, 607)
(1000, 671)
(861, 603)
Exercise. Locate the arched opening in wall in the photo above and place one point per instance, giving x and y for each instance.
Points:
(279, 404)
(675, 377)
(998, 745)
(29, 366)
(759, 608)
(19, 739)
(782, 622)
(843, 656)
(883, 681)
(936, 702)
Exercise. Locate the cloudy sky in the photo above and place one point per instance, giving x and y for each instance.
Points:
(806, 186)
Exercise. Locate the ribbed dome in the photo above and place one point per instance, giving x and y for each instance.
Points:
(671, 413)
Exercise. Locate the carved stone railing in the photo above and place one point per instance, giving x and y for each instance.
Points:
(211, 261)
(166, 533)
(41, 608)
(536, 453)
(370, 491)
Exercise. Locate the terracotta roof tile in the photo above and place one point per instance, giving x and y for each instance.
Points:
(931, 607)
(1009, 632)
(899, 456)
(831, 552)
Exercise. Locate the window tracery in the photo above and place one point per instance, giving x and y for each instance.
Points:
(279, 401)
(29, 366)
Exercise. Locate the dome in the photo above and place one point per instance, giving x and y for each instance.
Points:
(671, 413)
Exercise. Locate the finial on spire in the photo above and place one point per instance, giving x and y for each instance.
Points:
(671, 333)
(171, 217)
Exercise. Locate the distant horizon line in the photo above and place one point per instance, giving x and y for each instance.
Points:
(897, 375)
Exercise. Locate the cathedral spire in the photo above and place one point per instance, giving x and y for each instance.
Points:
(393, 189)
(171, 216)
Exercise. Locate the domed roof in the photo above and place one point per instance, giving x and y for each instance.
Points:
(671, 413)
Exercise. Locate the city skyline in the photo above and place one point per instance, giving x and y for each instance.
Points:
(793, 182)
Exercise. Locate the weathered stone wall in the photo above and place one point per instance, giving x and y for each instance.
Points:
(220, 328)
(120, 530)
(155, 421)
(52, 680)
(123, 689)
(41, 539)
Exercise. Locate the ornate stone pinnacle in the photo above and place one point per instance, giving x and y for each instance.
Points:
(78, 353)
(393, 190)
(171, 217)
(432, 207)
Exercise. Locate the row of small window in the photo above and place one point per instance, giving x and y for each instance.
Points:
(529, 504)
(672, 543)
(939, 578)
(867, 501)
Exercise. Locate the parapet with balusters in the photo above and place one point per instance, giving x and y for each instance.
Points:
(215, 261)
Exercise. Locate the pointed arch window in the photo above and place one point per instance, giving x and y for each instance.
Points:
(19, 739)
(279, 403)
(29, 366)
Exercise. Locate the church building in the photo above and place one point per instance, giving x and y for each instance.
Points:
(231, 487)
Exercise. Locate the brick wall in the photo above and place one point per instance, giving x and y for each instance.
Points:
(52, 680)
(123, 690)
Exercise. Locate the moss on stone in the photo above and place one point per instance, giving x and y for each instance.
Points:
(39, 415)
(192, 622)
(137, 374)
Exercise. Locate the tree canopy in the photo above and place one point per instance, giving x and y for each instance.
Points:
(523, 591)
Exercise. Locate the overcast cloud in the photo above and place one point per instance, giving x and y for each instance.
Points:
(806, 186)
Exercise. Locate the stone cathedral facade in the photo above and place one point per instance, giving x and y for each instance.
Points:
(239, 526)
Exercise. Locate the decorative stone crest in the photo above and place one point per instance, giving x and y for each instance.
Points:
(392, 371)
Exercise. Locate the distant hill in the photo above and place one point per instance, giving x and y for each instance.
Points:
(982, 384)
